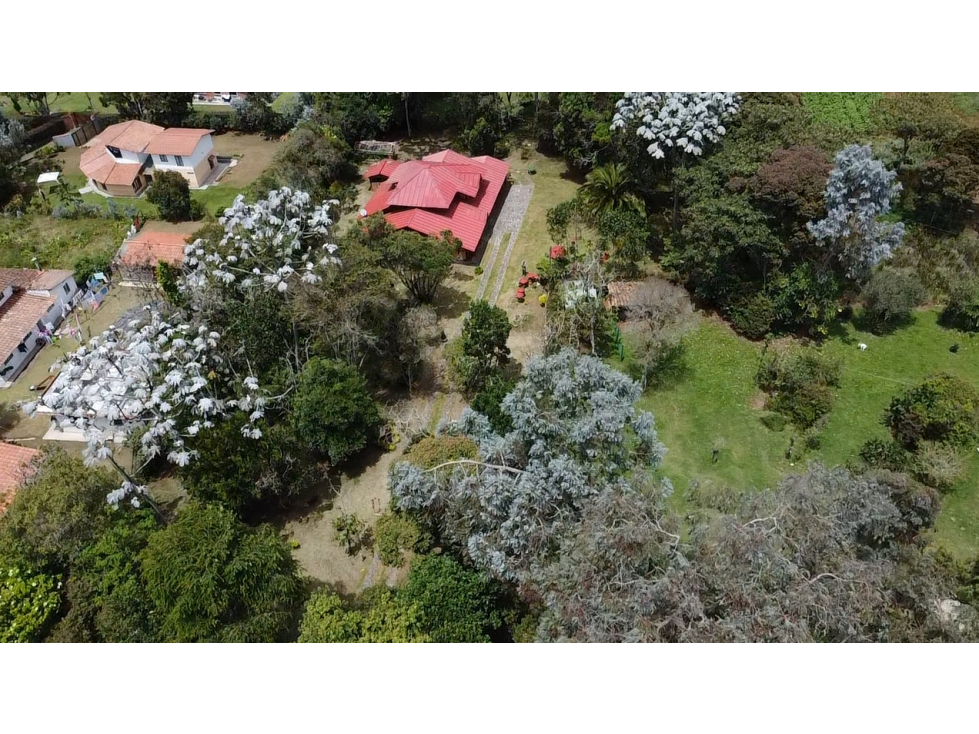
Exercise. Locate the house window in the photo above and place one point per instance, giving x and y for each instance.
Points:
(116, 153)
(179, 159)
(22, 348)
(67, 288)
(164, 159)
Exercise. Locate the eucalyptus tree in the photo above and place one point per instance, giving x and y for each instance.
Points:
(576, 435)
(860, 191)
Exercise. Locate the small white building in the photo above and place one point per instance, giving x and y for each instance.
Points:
(33, 303)
(122, 159)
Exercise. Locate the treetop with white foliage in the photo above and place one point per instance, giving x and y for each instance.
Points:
(576, 435)
(859, 191)
(677, 122)
(160, 373)
(265, 244)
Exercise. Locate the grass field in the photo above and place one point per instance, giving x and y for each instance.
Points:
(717, 400)
(850, 111)
(89, 102)
(968, 102)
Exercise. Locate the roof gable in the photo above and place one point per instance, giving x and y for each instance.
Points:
(176, 141)
(443, 191)
(150, 248)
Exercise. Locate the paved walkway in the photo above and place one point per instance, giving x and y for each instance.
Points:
(510, 219)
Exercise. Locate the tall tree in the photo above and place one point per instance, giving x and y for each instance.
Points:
(421, 263)
(576, 434)
(213, 579)
(859, 192)
(608, 188)
(168, 109)
(38, 103)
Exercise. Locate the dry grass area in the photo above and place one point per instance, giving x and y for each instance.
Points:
(254, 155)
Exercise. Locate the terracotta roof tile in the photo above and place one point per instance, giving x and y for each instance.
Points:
(133, 135)
(17, 277)
(122, 174)
(176, 141)
(47, 280)
(149, 248)
(15, 467)
(18, 317)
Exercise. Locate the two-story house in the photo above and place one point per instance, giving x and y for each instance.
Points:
(121, 160)
(33, 303)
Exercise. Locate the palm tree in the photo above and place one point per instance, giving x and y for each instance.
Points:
(609, 188)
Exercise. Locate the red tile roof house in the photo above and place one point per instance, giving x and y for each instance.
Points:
(31, 302)
(442, 191)
(139, 255)
(16, 465)
(121, 160)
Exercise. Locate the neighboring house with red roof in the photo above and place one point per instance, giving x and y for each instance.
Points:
(139, 255)
(33, 303)
(16, 465)
(442, 191)
(122, 159)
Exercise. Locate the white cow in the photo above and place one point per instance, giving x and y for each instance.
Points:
(862, 346)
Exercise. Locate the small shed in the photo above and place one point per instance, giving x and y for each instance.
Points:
(622, 296)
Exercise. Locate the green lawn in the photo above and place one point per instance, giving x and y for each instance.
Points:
(968, 102)
(284, 101)
(714, 401)
(849, 111)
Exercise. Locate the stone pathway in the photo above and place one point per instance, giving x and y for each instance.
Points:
(510, 218)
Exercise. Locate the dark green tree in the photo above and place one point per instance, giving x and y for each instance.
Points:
(944, 408)
(333, 411)
(456, 604)
(213, 579)
(421, 263)
(890, 297)
(170, 192)
(168, 109)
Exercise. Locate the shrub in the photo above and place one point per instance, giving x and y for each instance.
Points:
(881, 453)
(804, 405)
(478, 270)
(944, 408)
(798, 384)
(938, 465)
(431, 451)
(333, 411)
(351, 532)
(774, 422)
(752, 316)
(962, 310)
(170, 193)
(87, 265)
(890, 297)
(396, 533)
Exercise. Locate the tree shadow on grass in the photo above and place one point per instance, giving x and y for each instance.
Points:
(450, 303)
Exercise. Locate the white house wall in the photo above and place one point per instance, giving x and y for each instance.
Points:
(205, 146)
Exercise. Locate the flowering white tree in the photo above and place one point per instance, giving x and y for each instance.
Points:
(676, 122)
(154, 376)
(161, 374)
(576, 435)
(859, 191)
(265, 244)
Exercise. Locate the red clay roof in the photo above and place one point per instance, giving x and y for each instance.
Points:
(18, 317)
(133, 135)
(15, 467)
(122, 174)
(176, 141)
(47, 280)
(149, 248)
(443, 191)
(382, 168)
